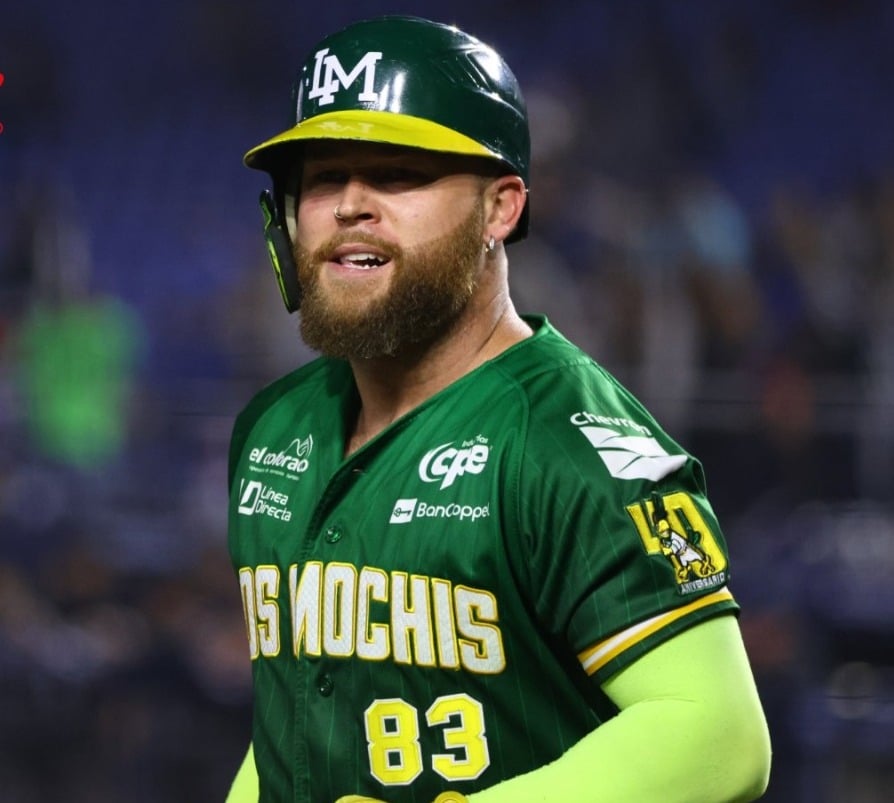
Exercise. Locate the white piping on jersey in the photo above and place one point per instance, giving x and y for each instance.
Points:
(596, 657)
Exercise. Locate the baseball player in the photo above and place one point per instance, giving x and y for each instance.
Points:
(473, 566)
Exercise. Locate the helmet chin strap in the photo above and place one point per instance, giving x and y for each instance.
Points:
(279, 249)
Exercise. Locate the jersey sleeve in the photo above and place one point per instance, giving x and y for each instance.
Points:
(621, 548)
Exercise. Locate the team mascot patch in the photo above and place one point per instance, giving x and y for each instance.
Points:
(672, 526)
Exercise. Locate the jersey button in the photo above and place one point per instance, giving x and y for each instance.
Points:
(325, 685)
(333, 534)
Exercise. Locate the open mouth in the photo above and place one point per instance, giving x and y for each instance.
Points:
(365, 260)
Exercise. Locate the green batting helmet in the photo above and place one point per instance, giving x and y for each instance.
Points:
(403, 81)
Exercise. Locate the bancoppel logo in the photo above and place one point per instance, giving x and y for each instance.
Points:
(406, 510)
(257, 499)
(403, 511)
(291, 461)
(627, 457)
(330, 77)
(445, 463)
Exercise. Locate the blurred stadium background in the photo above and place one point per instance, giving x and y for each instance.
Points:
(713, 207)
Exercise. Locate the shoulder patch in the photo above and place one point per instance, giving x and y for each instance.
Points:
(672, 527)
(631, 457)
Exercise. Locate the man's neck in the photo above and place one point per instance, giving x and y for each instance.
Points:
(390, 387)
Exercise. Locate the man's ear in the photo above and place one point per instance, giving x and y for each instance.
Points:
(505, 200)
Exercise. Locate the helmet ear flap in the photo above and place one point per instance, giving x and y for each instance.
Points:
(279, 249)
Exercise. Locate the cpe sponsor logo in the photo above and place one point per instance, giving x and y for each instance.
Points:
(445, 463)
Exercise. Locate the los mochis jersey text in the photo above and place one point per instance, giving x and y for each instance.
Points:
(340, 611)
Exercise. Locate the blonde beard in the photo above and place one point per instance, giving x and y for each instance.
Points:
(430, 287)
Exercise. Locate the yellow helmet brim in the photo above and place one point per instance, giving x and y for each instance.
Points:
(368, 126)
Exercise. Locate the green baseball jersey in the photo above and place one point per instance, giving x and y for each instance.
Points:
(437, 610)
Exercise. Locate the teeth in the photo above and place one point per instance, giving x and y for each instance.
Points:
(364, 261)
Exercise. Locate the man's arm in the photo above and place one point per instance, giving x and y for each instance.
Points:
(245, 784)
(691, 728)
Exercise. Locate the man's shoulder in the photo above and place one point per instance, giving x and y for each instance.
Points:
(320, 384)
(568, 394)
(550, 369)
(319, 376)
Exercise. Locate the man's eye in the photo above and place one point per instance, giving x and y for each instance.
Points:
(324, 177)
(388, 177)
(400, 176)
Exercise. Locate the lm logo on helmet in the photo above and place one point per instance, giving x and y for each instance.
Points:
(329, 76)
(445, 463)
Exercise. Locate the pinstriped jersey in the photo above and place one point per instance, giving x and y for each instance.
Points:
(437, 610)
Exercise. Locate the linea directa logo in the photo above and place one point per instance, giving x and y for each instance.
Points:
(257, 499)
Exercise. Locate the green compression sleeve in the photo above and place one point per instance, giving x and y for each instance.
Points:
(245, 787)
(691, 728)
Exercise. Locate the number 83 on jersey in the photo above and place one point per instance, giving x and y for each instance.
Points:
(395, 752)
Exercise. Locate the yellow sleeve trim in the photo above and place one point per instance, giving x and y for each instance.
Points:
(594, 658)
